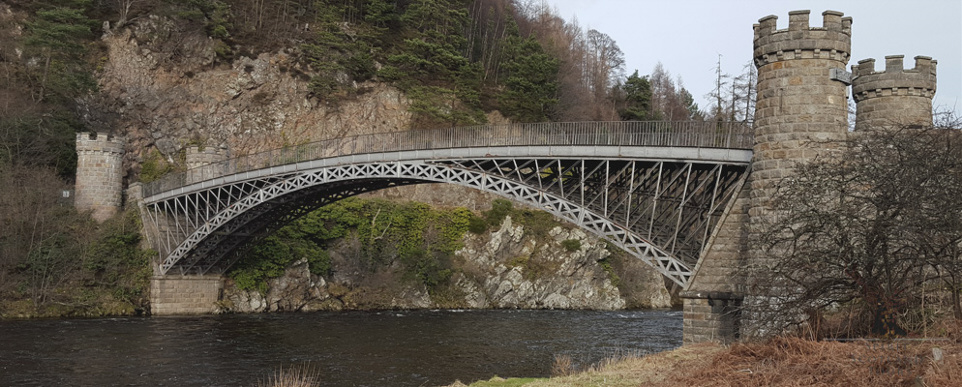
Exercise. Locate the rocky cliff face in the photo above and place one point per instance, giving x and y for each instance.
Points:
(161, 87)
(500, 269)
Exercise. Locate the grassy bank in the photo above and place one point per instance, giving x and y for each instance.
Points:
(781, 361)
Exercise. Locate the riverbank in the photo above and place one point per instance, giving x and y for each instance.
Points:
(779, 362)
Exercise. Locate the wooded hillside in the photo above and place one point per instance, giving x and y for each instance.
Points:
(456, 60)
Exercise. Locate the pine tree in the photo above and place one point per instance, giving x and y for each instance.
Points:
(637, 95)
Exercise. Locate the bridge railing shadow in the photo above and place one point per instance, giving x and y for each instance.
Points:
(696, 134)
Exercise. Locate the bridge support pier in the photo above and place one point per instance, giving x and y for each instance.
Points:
(185, 295)
(711, 316)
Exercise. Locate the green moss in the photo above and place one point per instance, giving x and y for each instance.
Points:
(520, 261)
(500, 208)
(477, 225)
(154, 167)
(571, 245)
(536, 223)
(612, 276)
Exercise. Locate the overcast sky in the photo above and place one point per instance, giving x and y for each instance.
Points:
(687, 36)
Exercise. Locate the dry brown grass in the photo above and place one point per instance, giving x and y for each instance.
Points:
(799, 362)
(637, 370)
(295, 376)
(784, 361)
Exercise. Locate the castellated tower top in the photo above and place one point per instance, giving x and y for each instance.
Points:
(895, 97)
(831, 41)
(895, 80)
(99, 142)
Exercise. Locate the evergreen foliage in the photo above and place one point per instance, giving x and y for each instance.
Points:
(637, 94)
(417, 239)
(530, 82)
(56, 40)
(412, 236)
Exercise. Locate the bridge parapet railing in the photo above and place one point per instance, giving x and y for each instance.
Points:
(697, 134)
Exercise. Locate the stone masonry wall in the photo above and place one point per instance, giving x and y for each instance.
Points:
(712, 281)
(205, 163)
(711, 319)
(185, 295)
(99, 174)
(800, 109)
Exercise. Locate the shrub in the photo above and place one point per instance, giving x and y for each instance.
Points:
(477, 225)
(571, 245)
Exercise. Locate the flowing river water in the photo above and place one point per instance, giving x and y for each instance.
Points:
(389, 348)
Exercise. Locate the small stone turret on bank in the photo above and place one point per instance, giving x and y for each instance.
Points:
(99, 174)
(895, 97)
(205, 163)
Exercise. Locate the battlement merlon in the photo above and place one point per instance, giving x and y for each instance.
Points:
(895, 79)
(100, 142)
(800, 41)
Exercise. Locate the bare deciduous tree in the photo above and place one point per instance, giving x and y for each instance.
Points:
(870, 228)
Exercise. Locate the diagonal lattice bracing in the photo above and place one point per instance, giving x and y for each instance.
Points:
(666, 199)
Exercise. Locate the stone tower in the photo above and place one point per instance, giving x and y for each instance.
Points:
(800, 106)
(205, 163)
(801, 109)
(99, 174)
(801, 113)
(895, 97)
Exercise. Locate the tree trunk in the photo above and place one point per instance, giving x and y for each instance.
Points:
(956, 305)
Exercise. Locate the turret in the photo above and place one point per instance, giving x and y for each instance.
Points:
(801, 108)
(204, 163)
(895, 97)
(99, 174)
(801, 114)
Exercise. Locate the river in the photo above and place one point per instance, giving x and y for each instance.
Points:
(390, 348)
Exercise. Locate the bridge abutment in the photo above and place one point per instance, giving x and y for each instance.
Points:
(712, 300)
(711, 316)
(185, 295)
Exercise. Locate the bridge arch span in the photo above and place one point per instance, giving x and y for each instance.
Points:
(660, 204)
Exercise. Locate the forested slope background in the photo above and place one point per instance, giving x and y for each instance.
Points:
(251, 75)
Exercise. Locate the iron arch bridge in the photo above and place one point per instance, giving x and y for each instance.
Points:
(655, 189)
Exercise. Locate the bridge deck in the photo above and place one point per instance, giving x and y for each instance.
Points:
(689, 140)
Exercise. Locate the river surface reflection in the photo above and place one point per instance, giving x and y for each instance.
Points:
(391, 348)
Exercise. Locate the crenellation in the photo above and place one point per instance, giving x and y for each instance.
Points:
(893, 63)
(895, 96)
(798, 20)
(800, 40)
(833, 21)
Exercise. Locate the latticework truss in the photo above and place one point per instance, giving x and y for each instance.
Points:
(661, 211)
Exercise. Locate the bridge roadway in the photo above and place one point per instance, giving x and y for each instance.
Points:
(655, 189)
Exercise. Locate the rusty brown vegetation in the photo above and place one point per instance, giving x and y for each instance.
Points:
(780, 361)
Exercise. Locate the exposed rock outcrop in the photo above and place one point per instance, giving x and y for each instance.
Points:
(501, 269)
(167, 97)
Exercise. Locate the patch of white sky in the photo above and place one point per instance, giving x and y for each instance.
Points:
(687, 36)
